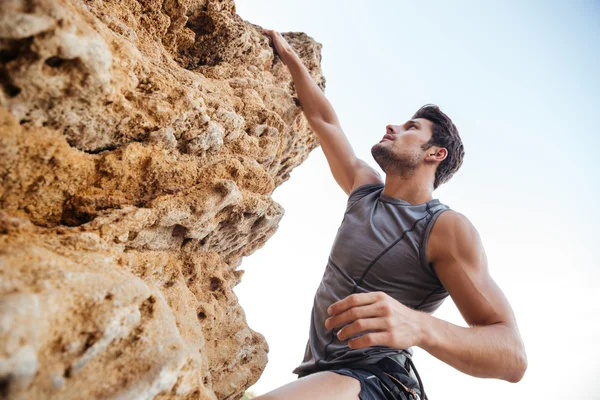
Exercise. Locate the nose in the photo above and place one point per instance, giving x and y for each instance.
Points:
(389, 129)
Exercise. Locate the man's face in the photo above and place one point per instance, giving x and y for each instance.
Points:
(400, 150)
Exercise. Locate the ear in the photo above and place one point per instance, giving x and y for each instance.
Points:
(437, 154)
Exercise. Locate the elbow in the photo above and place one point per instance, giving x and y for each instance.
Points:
(519, 366)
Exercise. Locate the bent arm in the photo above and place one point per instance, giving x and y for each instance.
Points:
(489, 351)
(491, 347)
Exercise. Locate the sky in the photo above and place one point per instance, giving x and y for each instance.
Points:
(520, 81)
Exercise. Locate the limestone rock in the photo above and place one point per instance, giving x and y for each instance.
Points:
(140, 143)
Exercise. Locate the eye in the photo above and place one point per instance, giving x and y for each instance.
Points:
(412, 126)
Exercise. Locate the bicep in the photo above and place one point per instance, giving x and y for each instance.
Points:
(461, 265)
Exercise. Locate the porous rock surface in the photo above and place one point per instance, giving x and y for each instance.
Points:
(140, 143)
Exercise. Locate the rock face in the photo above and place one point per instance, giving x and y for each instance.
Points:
(140, 142)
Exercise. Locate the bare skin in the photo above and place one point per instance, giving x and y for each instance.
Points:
(318, 386)
(491, 347)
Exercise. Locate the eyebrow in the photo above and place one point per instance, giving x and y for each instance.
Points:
(412, 121)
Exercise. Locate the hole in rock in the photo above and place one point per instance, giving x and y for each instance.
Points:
(4, 386)
(147, 307)
(179, 230)
(63, 65)
(170, 283)
(54, 62)
(9, 88)
(259, 221)
(99, 150)
(15, 48)
(7, 55)
(215, 283)
(200, 23)
(92, 338)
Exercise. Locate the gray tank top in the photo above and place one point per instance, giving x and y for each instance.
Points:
(379, 246)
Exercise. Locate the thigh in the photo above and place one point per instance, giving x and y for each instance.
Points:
(323, 385)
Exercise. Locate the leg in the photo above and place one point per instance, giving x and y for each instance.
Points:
(323, 385)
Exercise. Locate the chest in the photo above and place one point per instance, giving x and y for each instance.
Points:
(381, 245)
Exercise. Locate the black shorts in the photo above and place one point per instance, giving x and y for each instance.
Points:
(385, 380)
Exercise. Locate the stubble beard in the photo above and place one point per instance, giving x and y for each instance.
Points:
(401, 164)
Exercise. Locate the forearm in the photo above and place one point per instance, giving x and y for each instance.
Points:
(492, 351)
(312, 99)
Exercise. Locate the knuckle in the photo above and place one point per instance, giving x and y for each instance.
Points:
(353, 299)
(385, 308)
(389, 322)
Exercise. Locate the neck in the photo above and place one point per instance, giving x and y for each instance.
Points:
(414, 189)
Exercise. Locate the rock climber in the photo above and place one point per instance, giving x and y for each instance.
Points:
(397, 255)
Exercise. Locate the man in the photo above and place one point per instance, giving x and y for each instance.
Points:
(397, 255)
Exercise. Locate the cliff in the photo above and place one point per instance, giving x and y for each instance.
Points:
(140, 143)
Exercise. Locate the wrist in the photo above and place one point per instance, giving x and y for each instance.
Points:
(425, 331)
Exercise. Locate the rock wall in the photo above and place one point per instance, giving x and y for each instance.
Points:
(140, 142)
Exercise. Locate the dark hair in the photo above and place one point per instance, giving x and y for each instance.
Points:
(444, 134)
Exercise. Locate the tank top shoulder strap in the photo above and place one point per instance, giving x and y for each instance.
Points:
(434, 213)
(361, 192)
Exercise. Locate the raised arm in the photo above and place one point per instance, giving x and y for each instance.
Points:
(348, 170)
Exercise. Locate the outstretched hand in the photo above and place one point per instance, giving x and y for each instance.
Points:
(282, 47)
(390, 322)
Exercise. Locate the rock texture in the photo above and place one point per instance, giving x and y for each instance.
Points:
(140, 142)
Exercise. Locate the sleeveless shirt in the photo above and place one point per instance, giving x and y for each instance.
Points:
(379, 246)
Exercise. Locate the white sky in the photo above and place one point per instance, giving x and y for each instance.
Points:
(521, 83)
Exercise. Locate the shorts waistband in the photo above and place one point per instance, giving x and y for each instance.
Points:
(403, 363)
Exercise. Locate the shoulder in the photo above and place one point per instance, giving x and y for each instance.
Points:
(451, 221)
(453, 236)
